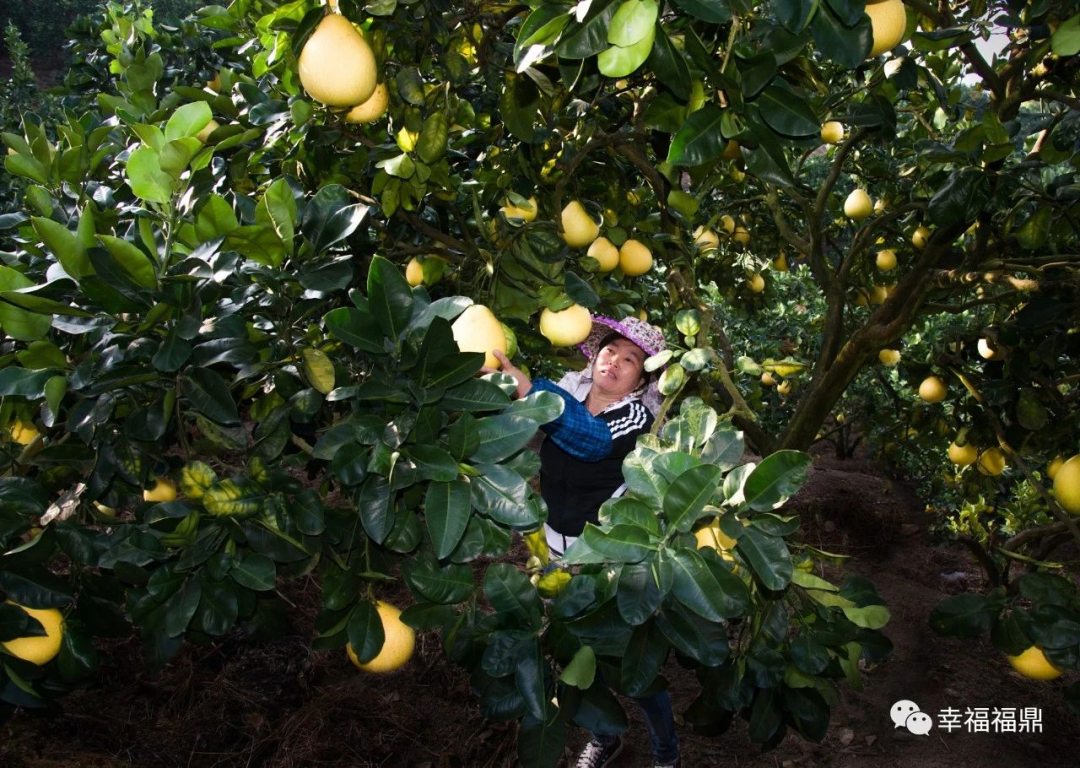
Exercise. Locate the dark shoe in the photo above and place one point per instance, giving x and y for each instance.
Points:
(597, 755)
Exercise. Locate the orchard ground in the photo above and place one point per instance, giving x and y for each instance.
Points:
(278, 704)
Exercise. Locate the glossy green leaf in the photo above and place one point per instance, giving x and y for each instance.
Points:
(620, 62)
(446, 511)
(699, 141)
(365, 631)
(768, 556)
(688, 495)
(776, 479)
(16, 322)
(61, 243)
(632, 22)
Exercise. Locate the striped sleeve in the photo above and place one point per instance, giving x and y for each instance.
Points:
(626, 423)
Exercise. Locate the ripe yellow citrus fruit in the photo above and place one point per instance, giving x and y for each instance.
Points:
(712, 536)
(215, 83)
(889, 357)
(1067, 485)
(889, 22)
(784, 388)
(23, 432)
(880, 205)
(780, 262)
(756, 283)
(991, 462)
(164, 490)
(986, 351)
(204, 134)
(605, 252)
(1053, 467)
(933, 389)
(963, 455)
(337, 66)
(731, 151)
(832, 132)
(858, 206)
(920, 237)
(478, 330)
(525, 212)
(372, 109)
(635, 258)
(706, 239)
(578, 227)
(742, 235)
(767, 380)
(727, 222)
(643, 316)
(568, 327)
(1034, 664)
(397, 647)
(886, 260)
(414, 272)
(39, 649)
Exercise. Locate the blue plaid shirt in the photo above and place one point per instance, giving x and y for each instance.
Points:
(576, 431)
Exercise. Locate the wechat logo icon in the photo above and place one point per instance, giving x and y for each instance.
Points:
(906, 714)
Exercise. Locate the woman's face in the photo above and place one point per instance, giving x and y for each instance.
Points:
(619, 368)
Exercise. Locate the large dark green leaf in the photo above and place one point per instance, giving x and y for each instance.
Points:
(518, 106)
(218, 608)
(376, 507)
(794, 14)
(446, 512)
(638, 596)
(847, 46)
(590, 38)
(695, 637)
(688, 495)
(439, 584)
(704, 590)
(331, 216)
(355, 327)
(208, 394)
(963, 616)
(19, 381)
(500, 493)
(699, 140)
(502, 436)
(621, 544)
(645, 655)
(787, 113)
(365, 632)
(255, 572)
(776, 479)
(668, 64)
(510, 593)
(768, 556)
(541, 743)
(475, 395)
(961, 199)
(389, 297)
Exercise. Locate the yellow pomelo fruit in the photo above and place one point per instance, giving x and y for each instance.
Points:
(635, 258)
(731, 151)
(706, 239)
(204, 134)
(879, 294)
(1053, 467)
(23, 432)
(414, 272)
(566, 328)
(889, 22)
(933, 389)
(524, 212)
(164, 490)
(963, 455)
(215, 83)
(886, 260)
(991, 462)
(578, 227)
(742, 235)
(397, 647)
(756, 283)
(337, 66)
(784, 388)
(986, 351)
(478, 330)
(832, 132)
(605, 252)
(643, 316)
(1034, 664)
(767, 380)
(920, 237)
(881, 205)
(39, 649)
(889, 357)
(858, 206)
(727, 222)
(372, 109)
(712, 536)
(1067, 485)
(780, 263)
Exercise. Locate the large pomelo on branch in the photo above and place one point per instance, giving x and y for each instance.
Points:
(372, 109)
(579, 229)
(1067, 485)
(889, 22)
(38, 649)
(337, 66)
(478, 330)
(398, 646)
(568, 327)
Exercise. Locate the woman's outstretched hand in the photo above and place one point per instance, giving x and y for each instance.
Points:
(524, 383)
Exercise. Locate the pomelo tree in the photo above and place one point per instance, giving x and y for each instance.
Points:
(205, 280)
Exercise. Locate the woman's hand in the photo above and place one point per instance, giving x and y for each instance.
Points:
(524, 383)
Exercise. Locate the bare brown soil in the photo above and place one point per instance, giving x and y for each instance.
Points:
(240, 703)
